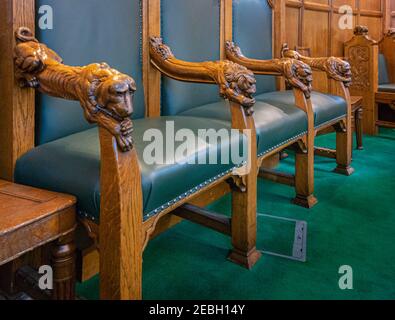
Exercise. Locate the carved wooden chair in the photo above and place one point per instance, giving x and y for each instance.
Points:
(121, 197)
(329, 110)
(278, 125)
(356, 105)
(292, 112)
(373, 67)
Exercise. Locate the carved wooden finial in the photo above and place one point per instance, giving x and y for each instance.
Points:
(105, 94)
(361, 30)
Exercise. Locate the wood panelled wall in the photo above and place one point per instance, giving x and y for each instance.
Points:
(315, 24)
(390, 16)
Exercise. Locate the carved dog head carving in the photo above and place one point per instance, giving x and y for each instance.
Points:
(105, 94)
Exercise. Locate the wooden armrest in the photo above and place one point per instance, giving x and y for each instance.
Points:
(236, 83)
(297, 73)
(336, 69)
(105, 94)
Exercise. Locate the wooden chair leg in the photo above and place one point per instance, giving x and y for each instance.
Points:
(121, 219)
(63, 264)
(358, 127)
(304, 178)
(344, 149)
(244, 197)
(244, 224)
(304, 157)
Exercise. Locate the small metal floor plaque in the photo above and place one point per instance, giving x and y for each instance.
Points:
(299, 247)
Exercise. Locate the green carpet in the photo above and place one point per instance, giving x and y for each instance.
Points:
(353, 224)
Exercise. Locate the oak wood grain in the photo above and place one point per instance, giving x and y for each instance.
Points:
(121, 219)
(17, 105)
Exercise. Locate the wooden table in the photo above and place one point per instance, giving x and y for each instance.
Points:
(31, 218)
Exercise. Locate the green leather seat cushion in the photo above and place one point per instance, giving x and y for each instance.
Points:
(72, 165)
(275, 124)
(388, 87)
(326, 107)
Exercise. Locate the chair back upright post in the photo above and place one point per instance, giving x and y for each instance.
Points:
(121, 222)
(17, 105)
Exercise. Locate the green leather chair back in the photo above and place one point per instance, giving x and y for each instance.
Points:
(192, 29)
(252, 32)
(383, 70)
(85, 32)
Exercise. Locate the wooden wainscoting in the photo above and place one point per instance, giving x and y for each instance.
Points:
(317, 26)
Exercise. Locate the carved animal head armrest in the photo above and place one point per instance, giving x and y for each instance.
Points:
(236, 83)
(335, 68)
(296, 73)
(105, 94)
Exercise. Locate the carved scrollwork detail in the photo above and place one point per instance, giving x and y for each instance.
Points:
(359, 57)
(296, 73)
(236, 82)
(161, 49)
(335, 68)
(105, 94)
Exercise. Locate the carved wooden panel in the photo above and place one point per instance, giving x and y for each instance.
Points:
(360, 66)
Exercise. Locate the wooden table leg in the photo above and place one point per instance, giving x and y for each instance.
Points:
(63, 263)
